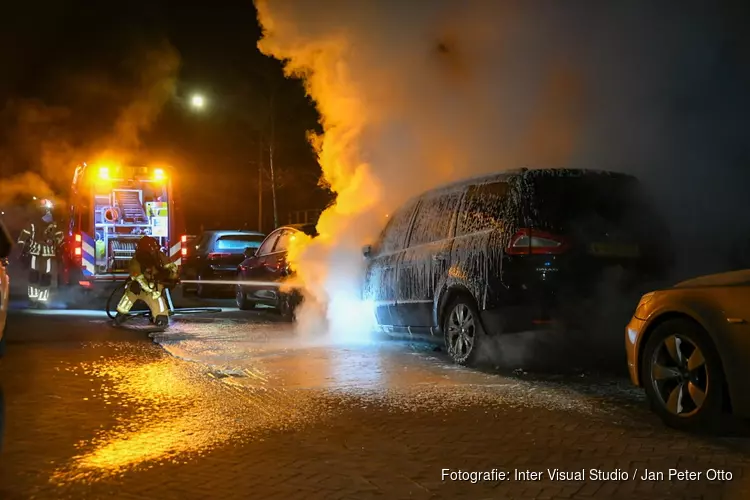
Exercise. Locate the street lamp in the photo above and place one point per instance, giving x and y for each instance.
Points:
(197, 101)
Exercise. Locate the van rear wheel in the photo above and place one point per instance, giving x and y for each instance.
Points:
(463, 332)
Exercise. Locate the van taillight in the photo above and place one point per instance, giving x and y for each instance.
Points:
(217, 255)
(534, 242)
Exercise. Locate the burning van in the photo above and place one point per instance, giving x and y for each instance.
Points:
(111, 208)
(532, 250)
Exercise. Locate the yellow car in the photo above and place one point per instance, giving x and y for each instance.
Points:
(689, 348)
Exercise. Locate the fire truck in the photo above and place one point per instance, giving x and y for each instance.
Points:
(111, 208)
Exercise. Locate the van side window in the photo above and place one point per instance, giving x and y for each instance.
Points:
(393, 237)
(434, 219)
(483, 208)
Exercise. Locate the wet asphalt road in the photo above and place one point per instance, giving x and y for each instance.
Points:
(238, 405)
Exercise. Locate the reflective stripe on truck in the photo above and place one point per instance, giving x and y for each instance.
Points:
(88, 255)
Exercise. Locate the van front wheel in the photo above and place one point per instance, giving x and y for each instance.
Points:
(462, 331)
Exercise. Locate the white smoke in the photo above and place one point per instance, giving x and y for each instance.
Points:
(415, 94)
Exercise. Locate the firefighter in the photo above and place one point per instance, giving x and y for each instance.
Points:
(150, 272)
(40, 245)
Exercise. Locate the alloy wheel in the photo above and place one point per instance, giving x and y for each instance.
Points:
(461, 332)
(285, 307)
(679, 375)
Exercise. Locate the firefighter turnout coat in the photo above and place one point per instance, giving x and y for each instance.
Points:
(40, 244)
(148, 285)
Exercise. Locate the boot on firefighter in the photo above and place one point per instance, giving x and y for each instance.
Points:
(40, 244)
(150, 273)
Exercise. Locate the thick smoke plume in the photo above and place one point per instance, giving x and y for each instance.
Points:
(103, 119)
(415, 94)
(156, 70)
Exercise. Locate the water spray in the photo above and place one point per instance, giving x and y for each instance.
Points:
(276, 284)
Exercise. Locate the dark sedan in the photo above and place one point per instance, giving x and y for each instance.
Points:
(259, 274)
(215, 256)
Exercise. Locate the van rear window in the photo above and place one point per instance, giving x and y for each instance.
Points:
(560, 200)
(238, 243)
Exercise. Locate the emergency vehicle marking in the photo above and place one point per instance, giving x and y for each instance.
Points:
(175, 254)
(88, 257)
(142, 195)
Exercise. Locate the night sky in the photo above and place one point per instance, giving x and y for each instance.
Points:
(79, 62)
(71, 67)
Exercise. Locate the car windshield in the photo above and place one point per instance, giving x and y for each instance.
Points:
(238, 242)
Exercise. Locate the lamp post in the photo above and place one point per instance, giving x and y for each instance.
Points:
(271, 142)
(270, 160)
(260, 182)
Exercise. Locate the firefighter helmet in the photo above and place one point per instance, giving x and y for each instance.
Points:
(148, 245)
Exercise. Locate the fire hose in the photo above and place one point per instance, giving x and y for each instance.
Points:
(120, 289)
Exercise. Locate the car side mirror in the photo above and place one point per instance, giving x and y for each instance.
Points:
(367, 251)
(250, 252)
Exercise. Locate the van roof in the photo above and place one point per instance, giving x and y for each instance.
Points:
(507, 174)
(229, 232)
(307, 228)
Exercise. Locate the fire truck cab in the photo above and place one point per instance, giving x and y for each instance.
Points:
(111, 209)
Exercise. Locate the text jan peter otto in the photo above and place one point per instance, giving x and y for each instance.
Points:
(586, 475)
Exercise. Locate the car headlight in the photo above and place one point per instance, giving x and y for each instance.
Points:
(640, 310)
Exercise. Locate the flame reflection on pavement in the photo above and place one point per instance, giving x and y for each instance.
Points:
(167, 410)
(244, 380)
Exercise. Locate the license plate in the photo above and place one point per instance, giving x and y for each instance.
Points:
(614, 250)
